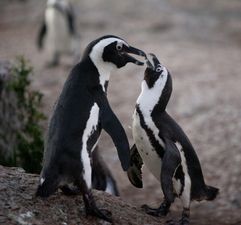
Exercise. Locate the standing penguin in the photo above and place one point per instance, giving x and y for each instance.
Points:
(80, 114)
(163, 146)
(58, 31)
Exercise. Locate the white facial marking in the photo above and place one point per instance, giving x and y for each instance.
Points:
(186, 194)
(91, 125)
(42, 180)
(104, 68)
(145, 148)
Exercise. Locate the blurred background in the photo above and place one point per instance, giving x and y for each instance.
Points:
(198, 41)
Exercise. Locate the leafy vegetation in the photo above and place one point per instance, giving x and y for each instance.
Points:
(28, 150)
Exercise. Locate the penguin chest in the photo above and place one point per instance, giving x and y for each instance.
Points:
(58, 37)
(147, 152)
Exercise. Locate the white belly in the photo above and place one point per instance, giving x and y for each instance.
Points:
(145, 149)
(58, 37)
(152, 160)
(91, 125)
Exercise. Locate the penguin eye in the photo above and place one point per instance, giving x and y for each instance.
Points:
(119, 46)
(158, 69)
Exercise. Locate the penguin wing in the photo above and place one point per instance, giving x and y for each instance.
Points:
(134, 172)
(41, 35)
(171, 160)
(113, 127)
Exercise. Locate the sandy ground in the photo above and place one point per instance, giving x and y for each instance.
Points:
(200, 43)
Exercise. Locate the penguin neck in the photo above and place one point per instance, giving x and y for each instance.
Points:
(104, 69)
(165, 96)
(155, 98)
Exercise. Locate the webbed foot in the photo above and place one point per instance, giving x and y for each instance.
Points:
(159, 212)
(70, 191)
(92, 210)
(100, 213)
(183, 221)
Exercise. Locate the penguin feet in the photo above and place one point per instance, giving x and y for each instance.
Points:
(159, 212)
(52, 64)
(69, 191)
(182, 221)
(92, 210)
(100, 213)
(54, 61)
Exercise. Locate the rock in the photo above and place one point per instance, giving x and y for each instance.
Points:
(18, 207)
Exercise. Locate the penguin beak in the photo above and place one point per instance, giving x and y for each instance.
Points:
(135, 51)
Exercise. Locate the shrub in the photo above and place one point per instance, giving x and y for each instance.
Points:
(23, 107)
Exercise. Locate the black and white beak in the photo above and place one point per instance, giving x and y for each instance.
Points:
(135, 51)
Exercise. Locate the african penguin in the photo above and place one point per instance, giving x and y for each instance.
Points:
(102, 178)
(163, 147)
(58, 32)
(80, 114)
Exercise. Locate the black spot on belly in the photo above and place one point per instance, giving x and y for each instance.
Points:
(106, 85)
(155, 144)
(147, 153)
(141, 138)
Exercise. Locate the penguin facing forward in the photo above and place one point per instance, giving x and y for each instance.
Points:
(102, 178)
(163, 147)
(58, 33)
(80, 114)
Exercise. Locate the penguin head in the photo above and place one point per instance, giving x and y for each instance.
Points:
(62, 3)
(112, 52)
(158, 80)
(155, 72)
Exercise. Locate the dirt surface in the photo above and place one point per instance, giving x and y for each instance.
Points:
(200, 43)
(19, 205)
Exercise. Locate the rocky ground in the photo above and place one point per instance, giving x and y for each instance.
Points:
(200, 43)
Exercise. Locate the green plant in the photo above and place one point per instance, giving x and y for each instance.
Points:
(28, 150)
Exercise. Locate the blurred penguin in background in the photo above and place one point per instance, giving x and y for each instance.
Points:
(58, 34)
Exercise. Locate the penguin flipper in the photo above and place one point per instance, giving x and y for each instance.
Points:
(113, 127)
(134, 172)
(171, 160)
(41, 35)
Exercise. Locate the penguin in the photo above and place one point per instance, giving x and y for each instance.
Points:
(162, 145)
(102, 178)
(80, 114)
(58, 32)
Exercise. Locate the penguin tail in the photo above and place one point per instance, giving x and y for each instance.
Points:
(211, 193)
